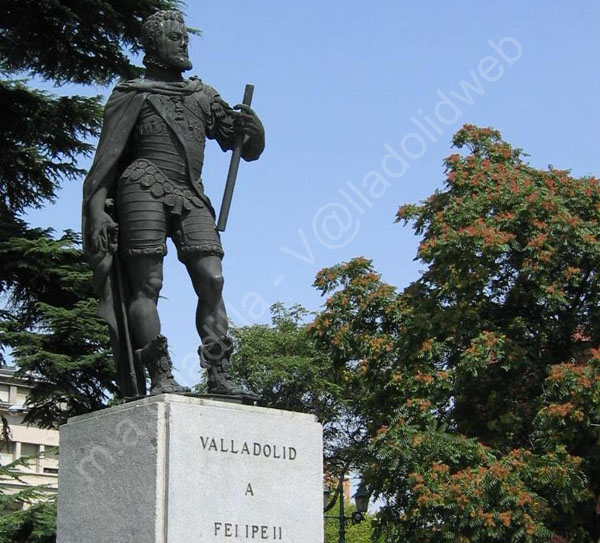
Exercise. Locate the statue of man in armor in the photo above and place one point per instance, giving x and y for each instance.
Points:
(145, 185)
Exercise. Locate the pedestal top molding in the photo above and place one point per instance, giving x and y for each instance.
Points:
(194, 400)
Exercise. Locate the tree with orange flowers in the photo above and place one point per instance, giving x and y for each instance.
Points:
(478, 386)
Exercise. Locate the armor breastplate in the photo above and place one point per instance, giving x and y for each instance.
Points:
(160, 162)
(156, 142)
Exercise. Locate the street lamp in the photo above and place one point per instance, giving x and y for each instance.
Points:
(326, 496)
(361, 500)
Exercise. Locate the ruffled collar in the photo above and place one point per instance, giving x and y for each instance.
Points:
(178, 88)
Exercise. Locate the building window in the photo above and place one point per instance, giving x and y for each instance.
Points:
(4, 393)
(29, 449)
(50, 460)
(7, 452)
(22, 394)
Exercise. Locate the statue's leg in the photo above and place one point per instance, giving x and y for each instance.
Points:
(199, 248)
(145, 276)
(145, 281)
(143, 225)
(142, 234)
(207, 277)
(212, 324)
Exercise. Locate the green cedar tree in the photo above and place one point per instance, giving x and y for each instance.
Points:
(48, 314)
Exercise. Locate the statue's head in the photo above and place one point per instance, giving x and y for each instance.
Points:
(165, 41)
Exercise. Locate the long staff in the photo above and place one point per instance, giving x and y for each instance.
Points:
(133, 377)
(233, 168)
(122, 323)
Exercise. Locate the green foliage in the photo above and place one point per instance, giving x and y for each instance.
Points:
(27, 515)
(65, 42)
(48, 319)
(281, 364)
(74, 42)
(36, 524)
(42, 139)
(478, 384)
(57, 340)
(49, 322)
(355, 533)
(37, 268)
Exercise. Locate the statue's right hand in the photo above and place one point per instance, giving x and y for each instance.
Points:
(104, 234)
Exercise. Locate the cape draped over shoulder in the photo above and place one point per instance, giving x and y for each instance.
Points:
(120, 114)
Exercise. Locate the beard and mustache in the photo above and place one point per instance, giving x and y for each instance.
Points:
(178, 61)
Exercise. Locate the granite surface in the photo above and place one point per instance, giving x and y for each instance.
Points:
(176, 469)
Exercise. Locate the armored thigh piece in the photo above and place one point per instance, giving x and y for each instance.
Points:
(195, 234)
(143, 221)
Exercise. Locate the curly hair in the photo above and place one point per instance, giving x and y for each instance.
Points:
(152, 28)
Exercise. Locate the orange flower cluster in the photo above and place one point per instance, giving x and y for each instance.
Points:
(424, 378)
(421, 403)
(382, 430)
(426, 347)
(505, 518)
(564, 410)
(380, 345)
(491, 237)
(439, 467)
(453, 159)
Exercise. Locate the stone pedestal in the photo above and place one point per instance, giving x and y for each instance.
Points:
(175, 469)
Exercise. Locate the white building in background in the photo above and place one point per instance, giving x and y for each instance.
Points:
(25, 440)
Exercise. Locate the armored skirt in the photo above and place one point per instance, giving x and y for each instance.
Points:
(152, 206)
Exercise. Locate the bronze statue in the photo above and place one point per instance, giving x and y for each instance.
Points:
(145, 185)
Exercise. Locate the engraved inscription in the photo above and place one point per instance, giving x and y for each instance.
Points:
(248, 531)
(248, 448)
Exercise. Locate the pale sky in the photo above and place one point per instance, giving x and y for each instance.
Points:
(359, 101)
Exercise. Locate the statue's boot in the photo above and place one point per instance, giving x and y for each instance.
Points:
(215, 357)
(155, 356)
